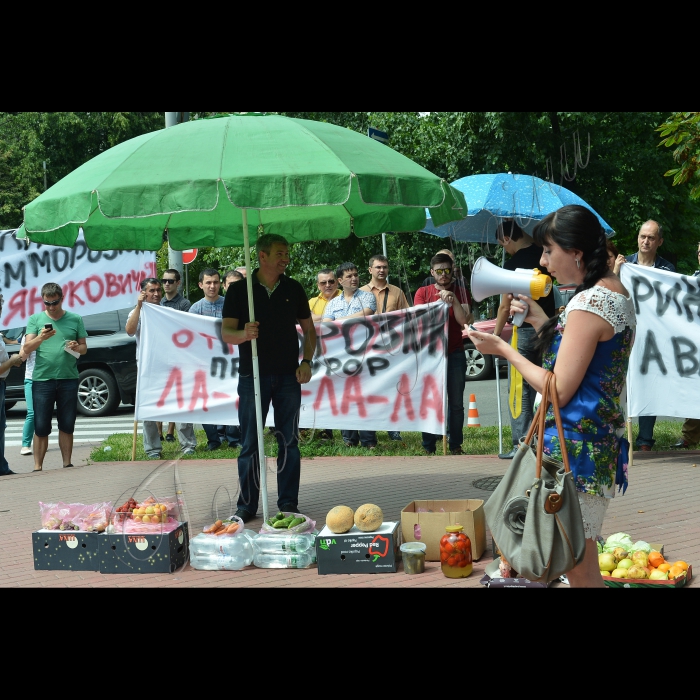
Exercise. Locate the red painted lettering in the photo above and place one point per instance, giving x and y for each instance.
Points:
(183, 339)
(218, 396)
(326, 385)
(36, 302)
(210, 340)
(17, 307)
(403, 397)
(174, 380)
(432, 399)
(94, 297)
(200, 391)
(71, 294)
(114, 289)
(353, 394)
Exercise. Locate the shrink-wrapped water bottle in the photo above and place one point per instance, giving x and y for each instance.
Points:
(233, 554)
(283, 561)
(284, 544)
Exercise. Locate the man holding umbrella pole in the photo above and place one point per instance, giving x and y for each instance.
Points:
(280, 304)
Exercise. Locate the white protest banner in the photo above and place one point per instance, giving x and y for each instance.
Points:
(664, 372)
(379, 373)
(93, 282)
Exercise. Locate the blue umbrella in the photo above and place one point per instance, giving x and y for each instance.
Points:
(492, 198)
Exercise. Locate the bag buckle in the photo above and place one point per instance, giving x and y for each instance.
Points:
(553, 504)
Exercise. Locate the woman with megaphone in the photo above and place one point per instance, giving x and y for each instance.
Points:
(588, 348)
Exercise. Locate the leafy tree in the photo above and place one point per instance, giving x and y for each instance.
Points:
(682, 130)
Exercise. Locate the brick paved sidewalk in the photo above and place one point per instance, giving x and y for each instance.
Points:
(661, 506)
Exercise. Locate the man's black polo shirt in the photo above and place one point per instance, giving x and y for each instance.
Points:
(278, 343)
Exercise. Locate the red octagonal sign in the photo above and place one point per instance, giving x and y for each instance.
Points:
(189, 256)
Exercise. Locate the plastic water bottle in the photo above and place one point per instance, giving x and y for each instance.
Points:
(283, 561)
(238, 558)
(283, 544)
(228, 546)
(217, 562)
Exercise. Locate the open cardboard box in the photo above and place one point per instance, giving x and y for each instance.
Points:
(426, 521)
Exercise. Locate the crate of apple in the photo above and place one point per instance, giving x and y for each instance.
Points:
(152, 514)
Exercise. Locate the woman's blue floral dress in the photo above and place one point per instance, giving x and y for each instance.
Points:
(594, 424)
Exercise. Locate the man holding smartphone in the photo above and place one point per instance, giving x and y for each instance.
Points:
(59, 339)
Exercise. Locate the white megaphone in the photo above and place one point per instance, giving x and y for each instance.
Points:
(489, 280)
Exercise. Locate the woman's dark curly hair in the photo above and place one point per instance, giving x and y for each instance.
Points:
(574, 228)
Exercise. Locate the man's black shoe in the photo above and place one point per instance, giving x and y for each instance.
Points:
(9, 472)
(682, 445)
(510, 455)
(289, 508)
(213, 448)
(169, 438)
(244, 515)
(234, 445)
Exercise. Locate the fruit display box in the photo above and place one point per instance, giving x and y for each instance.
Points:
(359, 552)
(425, 521)
(144, 553)
(66, 551)
(629, 583)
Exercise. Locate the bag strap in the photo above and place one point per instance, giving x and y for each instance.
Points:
(549, 396)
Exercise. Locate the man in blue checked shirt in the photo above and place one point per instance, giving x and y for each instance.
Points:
(651, 238)
(353, 303)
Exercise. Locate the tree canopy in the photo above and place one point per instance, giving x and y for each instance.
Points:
(610, 159)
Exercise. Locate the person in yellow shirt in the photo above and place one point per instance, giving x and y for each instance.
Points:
(328, 286)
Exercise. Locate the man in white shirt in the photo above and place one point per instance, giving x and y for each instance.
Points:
(151, 293)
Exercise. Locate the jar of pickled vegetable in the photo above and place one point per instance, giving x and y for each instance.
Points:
(456, 553)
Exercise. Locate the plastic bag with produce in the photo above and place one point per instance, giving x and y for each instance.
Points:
(288, 524)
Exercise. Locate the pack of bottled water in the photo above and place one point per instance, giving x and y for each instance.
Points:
(221, 553)
(285, 551)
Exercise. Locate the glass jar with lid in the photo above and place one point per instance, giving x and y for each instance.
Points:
(456, 553)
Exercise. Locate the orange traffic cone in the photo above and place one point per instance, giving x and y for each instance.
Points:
(473, 413)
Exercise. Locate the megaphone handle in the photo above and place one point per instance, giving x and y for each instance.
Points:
(519, 319)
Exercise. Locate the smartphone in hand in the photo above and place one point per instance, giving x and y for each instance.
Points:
(48, 327)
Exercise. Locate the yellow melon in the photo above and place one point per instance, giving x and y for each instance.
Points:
(369, 518)
(340, 520)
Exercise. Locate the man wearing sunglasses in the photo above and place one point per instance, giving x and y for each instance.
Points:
(455, 296)
(172, 299)
(58, 337)
(328, 288)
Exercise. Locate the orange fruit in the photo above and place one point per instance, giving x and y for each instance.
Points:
(664, 567)
(656, 559)
(676, 572)
(682, 564)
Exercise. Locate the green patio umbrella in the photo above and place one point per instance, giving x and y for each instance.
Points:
(205, 182)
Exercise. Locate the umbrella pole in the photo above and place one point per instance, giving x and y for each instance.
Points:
(133, 446)
(498, 402)
(256, 374)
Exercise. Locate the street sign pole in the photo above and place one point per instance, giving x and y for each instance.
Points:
(175, 257)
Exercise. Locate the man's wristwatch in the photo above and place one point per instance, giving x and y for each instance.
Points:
(308, 362)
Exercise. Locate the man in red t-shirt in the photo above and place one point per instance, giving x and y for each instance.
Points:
(457, 298)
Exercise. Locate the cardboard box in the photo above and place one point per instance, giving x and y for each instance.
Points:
(359, 552)
(65, 551)
(144, 554)
(628, 583)
(428, 526)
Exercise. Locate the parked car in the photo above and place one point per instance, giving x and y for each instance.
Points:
(483, 366)
(107, 373)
